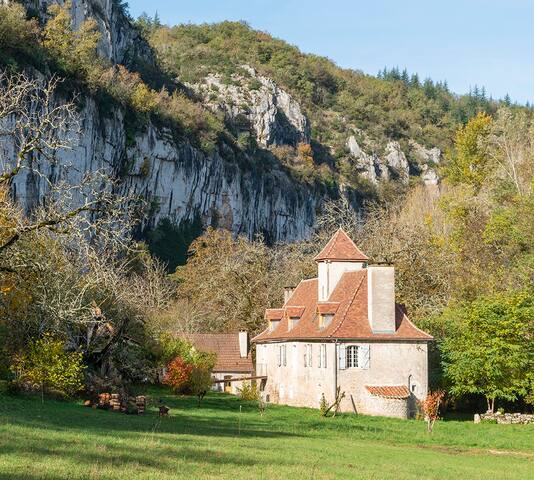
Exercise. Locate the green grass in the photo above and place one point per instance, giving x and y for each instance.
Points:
(62, 440)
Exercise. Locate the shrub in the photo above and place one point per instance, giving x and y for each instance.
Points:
(48, 368)
(200, 381)
(248, 391)
(430, 407)
(178, 374)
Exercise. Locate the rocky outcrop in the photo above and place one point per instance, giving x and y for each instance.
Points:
(176, 179)
(272, 114)
(119, 41)
(393, 165)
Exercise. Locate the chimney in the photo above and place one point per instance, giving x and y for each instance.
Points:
(381, 298)
(288, 291)
(243, 344)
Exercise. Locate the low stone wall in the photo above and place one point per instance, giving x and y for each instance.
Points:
(508, 418)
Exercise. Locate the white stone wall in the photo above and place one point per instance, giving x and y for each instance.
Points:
(329, 274)
(390, 363)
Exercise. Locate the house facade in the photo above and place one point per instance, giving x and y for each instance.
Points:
(343, 329)
(234, 360)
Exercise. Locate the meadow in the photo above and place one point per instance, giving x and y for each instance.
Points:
(228, 438)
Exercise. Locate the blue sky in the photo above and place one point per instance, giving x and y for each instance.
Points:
(484, 42)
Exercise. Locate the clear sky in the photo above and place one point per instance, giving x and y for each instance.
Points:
(485, 42)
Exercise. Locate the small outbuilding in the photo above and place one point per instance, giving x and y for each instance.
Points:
(234, 359)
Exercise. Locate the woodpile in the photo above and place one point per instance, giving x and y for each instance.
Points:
(114, 401)
(140, 403)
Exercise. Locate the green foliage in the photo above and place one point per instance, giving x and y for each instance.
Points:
(468, 163)
(173, 346)
(170, 242)
(249, 391)
(47, 367)
(200, 381)
(490, 347)
(19, 37)
(323, 406)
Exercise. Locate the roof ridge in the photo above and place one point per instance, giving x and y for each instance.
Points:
(348, 306)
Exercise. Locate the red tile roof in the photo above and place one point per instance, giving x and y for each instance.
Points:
(341, 247)
(274, 314)
(226, 346)
(294, 312)
(325, 308)
(399, 391)
(350, 320)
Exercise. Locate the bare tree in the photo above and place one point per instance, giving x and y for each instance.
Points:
(34, 124)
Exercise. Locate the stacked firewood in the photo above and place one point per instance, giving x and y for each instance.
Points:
(140, 402)
(113, 401)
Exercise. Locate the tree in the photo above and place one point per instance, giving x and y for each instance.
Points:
(48, 367)
(490, 346)
(469, 161)
(200, 381)
(430, 408)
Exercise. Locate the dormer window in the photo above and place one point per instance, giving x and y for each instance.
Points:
(325, 319)
(293, 322)
(273, 324)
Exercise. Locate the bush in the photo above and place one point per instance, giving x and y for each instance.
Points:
(178, 374)
(249, 391)
(48, 368)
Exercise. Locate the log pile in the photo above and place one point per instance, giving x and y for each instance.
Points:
(114, 401)
(140, 403)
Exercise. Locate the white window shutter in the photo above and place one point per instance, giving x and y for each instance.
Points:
(279, 355)
(310, 355)
(364, 356)
(324, 356)
(342, 357)
(320, 357)
(284, 355)
(305, 356)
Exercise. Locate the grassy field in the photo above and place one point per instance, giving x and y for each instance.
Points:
(227, 438)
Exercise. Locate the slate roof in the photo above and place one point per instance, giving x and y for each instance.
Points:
(226, 346)
(350, 320)
(399, 391)
(341, 247)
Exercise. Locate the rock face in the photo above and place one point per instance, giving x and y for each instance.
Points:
(394, 164)
(178, 180)
(275, 117)
(119, 43)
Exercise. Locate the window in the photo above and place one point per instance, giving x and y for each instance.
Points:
(325, 320)
(293, 322)
(281, 357)
(352, 356)
(273, 324)
(308, 355)
(322, 356)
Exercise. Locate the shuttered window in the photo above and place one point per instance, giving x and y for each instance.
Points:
(352, 356)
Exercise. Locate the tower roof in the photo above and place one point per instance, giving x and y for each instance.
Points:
(340, 247)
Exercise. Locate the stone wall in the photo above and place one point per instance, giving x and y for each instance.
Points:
(506, 418)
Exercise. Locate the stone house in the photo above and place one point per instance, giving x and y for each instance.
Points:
(344, 329)
(234, 360)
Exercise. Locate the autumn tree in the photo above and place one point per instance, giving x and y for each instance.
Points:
(469, 160)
